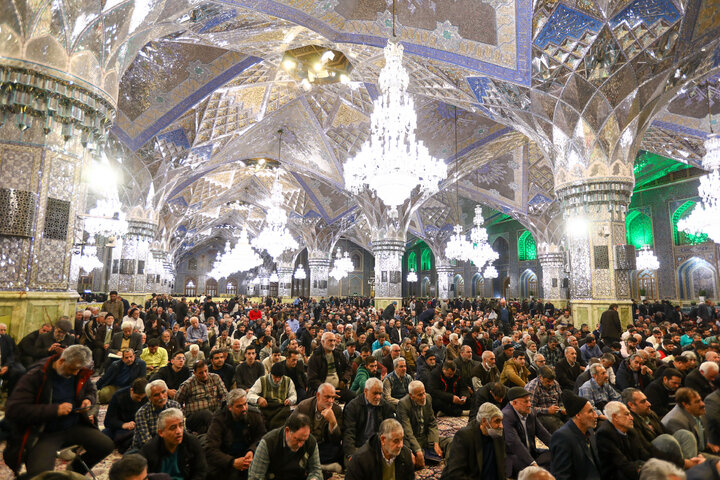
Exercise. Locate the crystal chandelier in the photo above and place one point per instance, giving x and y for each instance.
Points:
(412, 276)
(646, 259)
(275, 237)
(106, 219)
(274, 277)
(342, 266)
(490, 272)
(393, 162)
(704, 217)
(85, 260)
(481, 253)
(457, 247)
(239, 258)
(300, 272)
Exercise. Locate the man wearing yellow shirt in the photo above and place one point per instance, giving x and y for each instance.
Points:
(154, 356)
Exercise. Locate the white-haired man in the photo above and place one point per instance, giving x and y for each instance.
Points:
(383, 456)
(478, 449)
(362, 416)
(328, 365)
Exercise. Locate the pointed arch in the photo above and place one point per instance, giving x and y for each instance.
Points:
(528, 283)
(680, 237)
(639, 229)
(500, 245)
(426, 259)
(425, 287)
(412, 261)
(459, 285)
(694, 275)
(527, 249)
(478, 285)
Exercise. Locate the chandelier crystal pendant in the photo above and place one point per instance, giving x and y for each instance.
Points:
(85, 260)
(300, 273)
(275, 237)
(490, 272)
(342, 266)
(703, 218)
(412, 276)
(239, 258)
(106, 218)
(392, 163)
(457, 247)
(274, 277)
(481, 253)
(646, 259)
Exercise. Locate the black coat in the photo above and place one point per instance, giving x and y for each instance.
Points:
(122, 409)
(318, 367)
(571, 458)
(220, 438)
(658, 396)
(191, 457)
(610, 327)
(566, 374)
(355, 418)
(624, 378)
(366, 463)
(465, 456)
(622, 455)
(7, 350)
(519, 456)
(696, 381)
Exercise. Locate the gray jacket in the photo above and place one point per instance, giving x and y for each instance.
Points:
(407, 415)
(679, 419)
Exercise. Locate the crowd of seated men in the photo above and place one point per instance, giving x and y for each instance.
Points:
(312, 388)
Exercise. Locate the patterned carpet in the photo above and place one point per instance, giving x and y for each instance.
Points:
(448, 426)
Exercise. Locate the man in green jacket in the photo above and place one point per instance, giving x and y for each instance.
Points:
(363, 373)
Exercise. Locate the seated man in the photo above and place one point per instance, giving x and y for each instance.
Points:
(545, 399)
(415, 414)
(367, 370)
(193, 355)
(362, 416)
(120, 374)
(26, 347)
(702, 379)
(568, 369)
(688, 414)
(325, 425)
(201, 395)
(466, 365)
(633, 373)
(154, 356)
(219, 367)
(661, 391)
(448, 391)
(10, 367)
(493, 392)
(395, 384)
(597, 390)
(273, 394)
(126, 338)
(173, 374)
(327, 365)
(573, 446)
(147, 416)
(515, 373)
(247, 372)
(273, 358)
(52, 343)
(233, 436)
(521, 426)
(383, 456)
(296, 371)
(129, 467)
(197, 334)
(287, 453)
(173, 450)
(486, 372)
(48, 410)
(120, 417)
(478, 449)
(169, 343)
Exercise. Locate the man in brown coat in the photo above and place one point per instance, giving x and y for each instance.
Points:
(325, 425)
(515, 373)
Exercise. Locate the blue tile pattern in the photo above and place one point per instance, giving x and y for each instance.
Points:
(566, 23)
(177, 137)
(648, 12)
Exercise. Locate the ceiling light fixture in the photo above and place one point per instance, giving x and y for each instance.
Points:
(239, 258)
(458, 248)
(300, 273)
(646, 259)
(412, 276)
(392, 163)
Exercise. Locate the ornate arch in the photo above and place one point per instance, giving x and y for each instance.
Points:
(527, 249)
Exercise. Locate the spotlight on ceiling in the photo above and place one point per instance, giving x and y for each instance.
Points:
(313, 64)
(261, 163)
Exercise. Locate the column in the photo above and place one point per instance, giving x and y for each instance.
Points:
(50, 124)
(319, 265)
(553, 273)
(388, 271)
(130, 260)
(600, 261)
(285, 273)
(444, 273)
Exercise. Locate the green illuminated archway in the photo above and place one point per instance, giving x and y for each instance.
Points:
(639, 229)
(527, 250)
(426, 259)
(412, 261)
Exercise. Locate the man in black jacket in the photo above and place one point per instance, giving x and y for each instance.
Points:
(174, 374)
(247, 372)
(610, 328)
(173, 451)
(362, 416)
(521, 426)
(55, 342)
(120, 416)
(448, 391)
(10, 367)
(573, 446)
(383, 449)
(28, 354)
(327, 364)
(568, 369)
(661, 391)
(233, 436)
(478, 449)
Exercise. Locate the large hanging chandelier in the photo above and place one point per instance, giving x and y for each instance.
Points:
(393, 162)
(239, 258)
(300, 273)
(490, 272)
(85, 259)
(342, 266)
(274, 278)
(704, 217)
(457, 247)
(106, 218)
(412, 276)
(481, 253)
(646, 259)
(275, 237)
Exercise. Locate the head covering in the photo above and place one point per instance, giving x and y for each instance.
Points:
(508, 345)
(517, 392)
(277, 369)
(64, 325)
(573, 403)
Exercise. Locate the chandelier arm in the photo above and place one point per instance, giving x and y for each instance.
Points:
(709, 109)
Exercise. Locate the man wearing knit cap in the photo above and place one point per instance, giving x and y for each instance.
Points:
(573, 446)
(521, 427)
